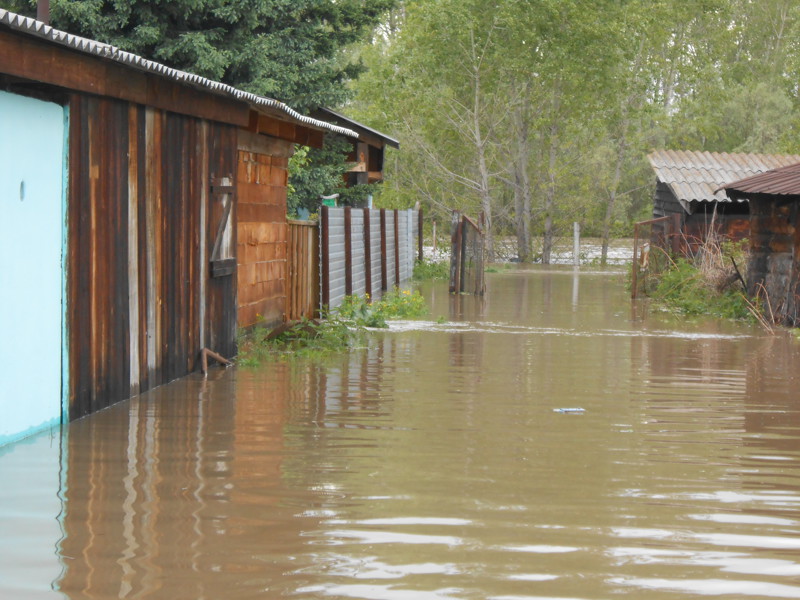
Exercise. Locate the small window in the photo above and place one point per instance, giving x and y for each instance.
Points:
(223, 257)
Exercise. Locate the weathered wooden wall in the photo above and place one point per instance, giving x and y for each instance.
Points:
(774, 265)
(302, 293)
(731, 221)
(142, 222)
(262, 229)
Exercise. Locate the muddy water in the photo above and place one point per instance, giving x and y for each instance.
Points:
(432, 464)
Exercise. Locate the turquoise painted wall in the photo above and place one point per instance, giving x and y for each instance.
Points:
(32, 200)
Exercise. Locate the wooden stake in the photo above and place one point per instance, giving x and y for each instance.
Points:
(205, 353)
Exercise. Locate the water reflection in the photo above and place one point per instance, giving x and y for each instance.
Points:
(430, 464)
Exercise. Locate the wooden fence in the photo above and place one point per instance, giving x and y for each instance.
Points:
(302, 293)
(366, 251)
(466, 256)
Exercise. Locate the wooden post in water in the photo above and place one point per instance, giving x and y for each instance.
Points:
(455, 253)
(420, 255)
(635, 263)
(576, 244)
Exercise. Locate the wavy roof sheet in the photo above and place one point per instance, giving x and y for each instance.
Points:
(702, 176)
(37, 28)
(778, 182)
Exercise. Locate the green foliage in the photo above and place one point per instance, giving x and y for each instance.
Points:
(308, 339)
(292, 50)
(426, 270)
(684, 289)
(563, 99)
(396, 304)
(337, 332)
(315, 172)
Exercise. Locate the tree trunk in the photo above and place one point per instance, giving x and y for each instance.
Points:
(550, 195)
(522, 189)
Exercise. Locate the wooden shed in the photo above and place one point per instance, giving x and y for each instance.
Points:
(125, 186)
(773, 271)
(368, 149)
(688, 189)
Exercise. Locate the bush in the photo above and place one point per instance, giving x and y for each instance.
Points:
(337, 332)
(396, 304)
(686, 288)
(424, 270)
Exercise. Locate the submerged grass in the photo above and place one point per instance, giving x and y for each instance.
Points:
(337, 332)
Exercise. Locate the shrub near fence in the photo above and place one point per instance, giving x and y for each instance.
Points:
(366, 251)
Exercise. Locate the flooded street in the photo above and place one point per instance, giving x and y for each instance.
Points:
(433, 464)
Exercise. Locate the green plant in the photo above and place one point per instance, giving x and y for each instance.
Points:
(425, 269)
(336, 332)
(396, 304)
(684, 288)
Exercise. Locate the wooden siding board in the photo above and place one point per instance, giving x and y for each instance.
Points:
(136, 282)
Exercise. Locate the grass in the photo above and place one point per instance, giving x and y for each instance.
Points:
(339, 331)
(425, 270)
(709, 283)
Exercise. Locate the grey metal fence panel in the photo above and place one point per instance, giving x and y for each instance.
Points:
(402, 232)
(357, 251)
(390, 258)
(375, 252)
(336, 256)
(407, 232)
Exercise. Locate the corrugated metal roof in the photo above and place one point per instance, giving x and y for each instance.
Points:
(701, 176)
(784, 181)
(326, 113)
(37, 28)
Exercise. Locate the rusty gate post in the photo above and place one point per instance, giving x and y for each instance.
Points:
(675, 226)
(455, 252)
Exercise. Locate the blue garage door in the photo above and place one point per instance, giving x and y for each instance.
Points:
(32, 174)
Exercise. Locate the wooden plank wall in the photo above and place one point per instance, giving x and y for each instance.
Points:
(773, 268)
(302, 294)
(141, 223)
(263, 233)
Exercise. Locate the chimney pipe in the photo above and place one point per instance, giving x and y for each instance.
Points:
(43, 11)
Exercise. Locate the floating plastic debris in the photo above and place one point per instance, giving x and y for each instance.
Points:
(569, 410)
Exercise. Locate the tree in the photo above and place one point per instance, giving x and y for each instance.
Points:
(291, 50)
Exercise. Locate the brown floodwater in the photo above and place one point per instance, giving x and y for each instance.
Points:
(432, 464)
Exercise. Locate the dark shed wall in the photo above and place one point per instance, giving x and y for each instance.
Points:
(141, 222)
(773, 267)
(731, 220)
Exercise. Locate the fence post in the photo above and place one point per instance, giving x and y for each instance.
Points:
(348, 252)
(384, 274)
(396, 247)
(576, 244)
(455, 252)
(324, 249)
(676, 231)
(463, 259)
(635, 264)
(367, 254)
(420, 256)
